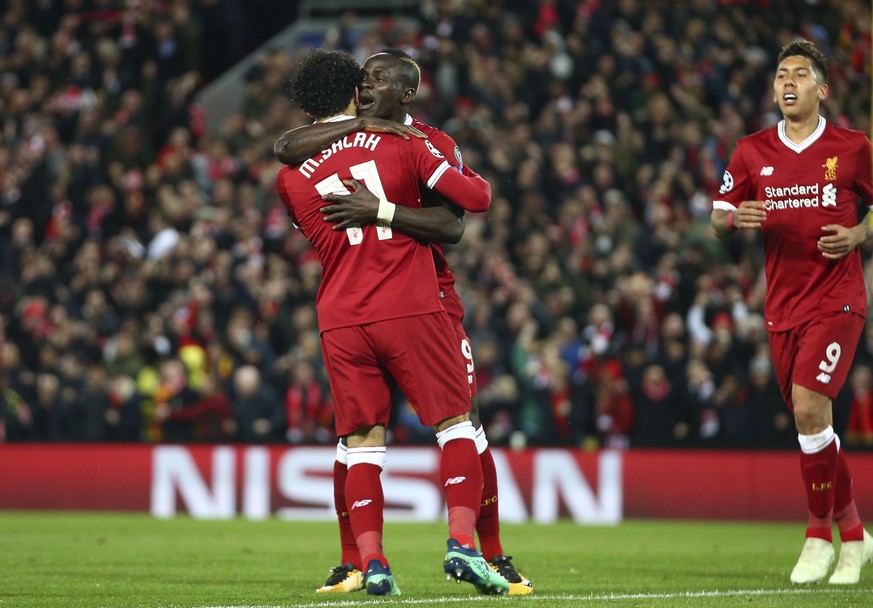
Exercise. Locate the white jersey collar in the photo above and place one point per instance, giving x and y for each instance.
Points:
(407, 120)
(338, 118)
(780, 129)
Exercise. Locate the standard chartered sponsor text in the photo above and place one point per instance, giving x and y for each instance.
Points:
(784, 198)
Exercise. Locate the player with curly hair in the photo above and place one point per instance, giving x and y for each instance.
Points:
(391, 81)
(379, 309)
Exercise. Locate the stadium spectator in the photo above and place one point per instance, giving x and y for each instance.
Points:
(309, 416)
(257, 407)
(799, 183)
(658, 409)
(172, 397)
(124, 417)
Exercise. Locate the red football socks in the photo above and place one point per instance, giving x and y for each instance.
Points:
(365, 502)
(350, 552)
(461, 476)
(819, 474)
(845, 511)
(488, 524)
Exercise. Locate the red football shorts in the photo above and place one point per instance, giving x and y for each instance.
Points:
(420, 353)
(817, 354)
(467, 353)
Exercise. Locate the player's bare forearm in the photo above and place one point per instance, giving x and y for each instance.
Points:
(470, 192)
(838, 241)
(866, 227)
(718, 220)
(749, 214)
(440, 224)
(296, 145)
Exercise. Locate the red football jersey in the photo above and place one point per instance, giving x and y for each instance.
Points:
(805, 186)
(371, 273)
(449, 148)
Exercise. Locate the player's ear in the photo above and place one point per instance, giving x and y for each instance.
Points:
(823, 91)
(408, 95)
(357, 99)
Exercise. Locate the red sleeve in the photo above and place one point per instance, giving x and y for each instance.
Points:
(736, 184)
(452, 151)
(449, 148)
(470, 192)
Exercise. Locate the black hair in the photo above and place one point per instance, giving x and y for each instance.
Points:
(410, 71)
(323, 82)
(805, 48)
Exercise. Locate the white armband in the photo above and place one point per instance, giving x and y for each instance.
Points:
(385, 214)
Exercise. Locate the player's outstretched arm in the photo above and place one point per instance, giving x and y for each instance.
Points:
(442, 224)
(468, 190)
(296, 145)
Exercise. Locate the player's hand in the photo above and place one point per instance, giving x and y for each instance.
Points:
(381, 125)
(750, 214)
(837, 241)
(348, 210)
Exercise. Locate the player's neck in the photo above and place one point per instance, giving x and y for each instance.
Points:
(350, 111)
(798, 130)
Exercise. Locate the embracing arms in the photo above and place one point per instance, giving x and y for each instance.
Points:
(296, 145)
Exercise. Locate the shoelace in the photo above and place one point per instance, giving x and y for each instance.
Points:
(339, 574)
(503, 566)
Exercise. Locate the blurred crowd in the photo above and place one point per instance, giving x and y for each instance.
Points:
(153, 288)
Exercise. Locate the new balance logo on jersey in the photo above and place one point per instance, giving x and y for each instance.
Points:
(360, 503)
(766, 170)
(454, 480)
(823, 378)
(829, 196)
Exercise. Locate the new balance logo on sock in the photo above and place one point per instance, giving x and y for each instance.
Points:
(360, 503)
(453, 480)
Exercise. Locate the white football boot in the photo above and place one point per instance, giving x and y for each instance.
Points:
(853, 555)
(814, 563)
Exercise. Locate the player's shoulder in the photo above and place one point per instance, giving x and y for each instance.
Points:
(434, 134)
(424, 127)
(758, 137)
(850, 136)
(283, 174)
(426, 148)
(442, 141)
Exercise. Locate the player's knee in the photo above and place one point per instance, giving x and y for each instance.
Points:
(448, 422)
(366, 437)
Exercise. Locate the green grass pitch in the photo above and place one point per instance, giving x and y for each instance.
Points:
(114, 560)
